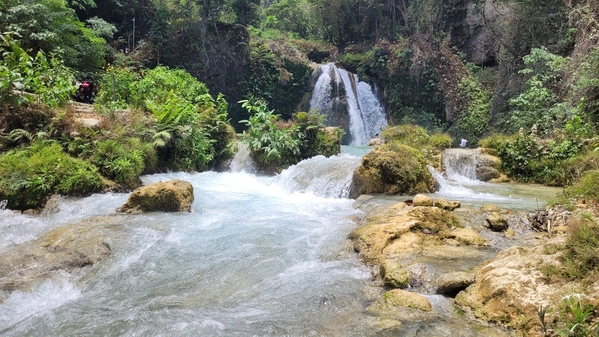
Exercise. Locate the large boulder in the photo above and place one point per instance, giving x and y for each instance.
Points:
(487, 167)
(392, 169)
(512, 286)
(170, 196)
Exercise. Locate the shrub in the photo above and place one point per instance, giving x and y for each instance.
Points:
(274, 145)
(46, 77)
(418, 138)
(29, 176)
(119, 161)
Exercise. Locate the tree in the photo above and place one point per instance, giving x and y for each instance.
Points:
(51, 26)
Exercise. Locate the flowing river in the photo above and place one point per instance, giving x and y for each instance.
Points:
(257, 256)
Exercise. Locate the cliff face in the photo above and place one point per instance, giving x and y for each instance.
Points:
(470, 29)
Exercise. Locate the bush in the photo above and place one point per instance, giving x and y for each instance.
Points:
(29, 176)
(276, 144)
(418, 138)
(527, 158)
(48, 78)
(118, 161)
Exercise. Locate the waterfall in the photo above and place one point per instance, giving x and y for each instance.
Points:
(242, 162)
(326, 177)
(349, 103)
(460, 164)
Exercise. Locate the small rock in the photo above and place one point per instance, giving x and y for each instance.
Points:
(454, 282)
(397, 298)
(422, 200)
(490, 208)
(394, 275)
(496, 222)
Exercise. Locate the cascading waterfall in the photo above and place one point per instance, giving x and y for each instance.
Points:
(460, 164)
(349, 103)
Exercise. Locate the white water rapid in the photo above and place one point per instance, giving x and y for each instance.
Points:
(256, 256)
(459, 182)
(335, 89)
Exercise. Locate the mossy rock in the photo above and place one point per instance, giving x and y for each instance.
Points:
(396, 299)
(392, 169)
(395, 275)
(170, 196)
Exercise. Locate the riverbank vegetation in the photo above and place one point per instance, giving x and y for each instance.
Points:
(178, 83)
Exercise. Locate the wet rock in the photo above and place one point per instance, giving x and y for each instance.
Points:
(487, 167)
(511, 286)
(452, 283)
(422, 200)
(396, 299)
(392, 169)
(170, 196)
(65, 248)
(496, 222)
(394, 275)
(490, 208)
(465, 236)
(444, 204)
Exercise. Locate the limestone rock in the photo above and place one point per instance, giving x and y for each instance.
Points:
(392, 169)
(170, 196)
(454, 282)
(394, 275)
(467, 236)
(397, 298)
(490, 208)
(496, 222)
(444, 204)
(510, 286)
(422, 200)
(487, 167)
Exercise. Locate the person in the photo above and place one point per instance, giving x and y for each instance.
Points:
(375, 140)
(463, 143)
(86, 90)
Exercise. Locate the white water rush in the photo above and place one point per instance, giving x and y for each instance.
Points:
(338, 92)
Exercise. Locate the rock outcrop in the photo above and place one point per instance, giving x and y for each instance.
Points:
(170, 196)
(392, 169)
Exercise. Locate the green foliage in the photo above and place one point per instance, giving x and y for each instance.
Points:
(48, 79)
(318, 140)
(115, 85)
(537, 104)
(527, 158)
(474, 121)
(118, 161)
(28, 176)
(193, 132)
(273, 144)
(50, 26)
(581, 253)
(276, 78)
(576, 314)
(587, 86)
(161, 83)
(419, 138)
(291, 16)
